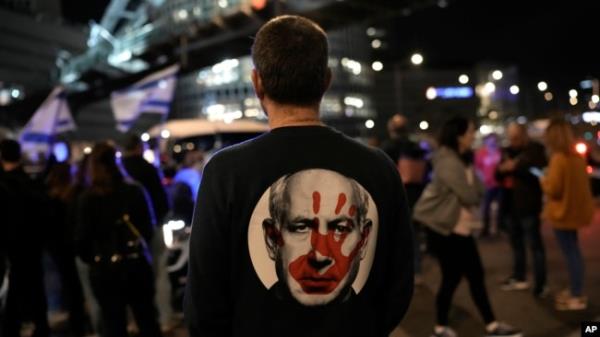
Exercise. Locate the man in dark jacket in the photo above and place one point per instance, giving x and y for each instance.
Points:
(149, 177)
(521, 206)
(26, 300)
(311, 236)
(146, 174)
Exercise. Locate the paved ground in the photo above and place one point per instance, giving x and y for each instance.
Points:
(537, 318)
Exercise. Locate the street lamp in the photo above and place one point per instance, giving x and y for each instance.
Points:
(416, 59)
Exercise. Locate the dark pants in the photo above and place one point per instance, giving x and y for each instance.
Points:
(568, 242)
(491, 195)
(458, 257)
(71, 291)
(126, 283)
(26, 299)
(522, 229)
(413, 193)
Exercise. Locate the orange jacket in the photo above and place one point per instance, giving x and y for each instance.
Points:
(569, 201)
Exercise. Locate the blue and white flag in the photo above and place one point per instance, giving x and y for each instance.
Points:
(51, 118)
(153, 94)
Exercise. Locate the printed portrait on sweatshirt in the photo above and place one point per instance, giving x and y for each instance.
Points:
(312, 237)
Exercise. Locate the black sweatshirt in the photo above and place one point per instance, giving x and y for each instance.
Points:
(299, 232)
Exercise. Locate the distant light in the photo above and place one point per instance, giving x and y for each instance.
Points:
(177, 148)
(572, 93)
(493, 114)
(259, 4)
(591, 117)
(416, 59)
(542, 86)
(589, 169)
(376, 44)
(488, 89)
(595, 99)
(431, 93)
(145, 137)
(514, 89)
(118, 154)
(442, 3)
(354, 101)
(15, 93)
(165, 134)
(182, 14)
(223, 3)
(463, 79)
(588, 135)
(60, 151)
(497, 75)
(548, 96)
(587, 84)
(581, 148)
(162, 84)
(371, 31)
(189, 146)
(121, 57)
(377, 66)
(522, 120)
(87, 150)
(252, 112)
(454, 92)
(369, 124)
(485, 129)
(592, 105)
(424, 125)
(573, 100)
(149, 156)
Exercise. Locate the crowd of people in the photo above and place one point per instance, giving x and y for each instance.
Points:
(299, 202)
(455, 206)
(99, 223)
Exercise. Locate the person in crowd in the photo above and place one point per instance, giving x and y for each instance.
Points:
(412, 166)
(150, 178)
(487, 159)
(78, 186)
(521, 205)
(112, 235)
(60, 244)
(569, 206)
(448, 208)
(146, 174)
(323, 247)
(26, 299)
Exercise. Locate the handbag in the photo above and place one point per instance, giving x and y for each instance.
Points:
(437, 208)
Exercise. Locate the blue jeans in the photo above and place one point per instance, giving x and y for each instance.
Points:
(522, 229)
(567, 240)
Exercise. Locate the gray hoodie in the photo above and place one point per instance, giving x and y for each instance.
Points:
(449, 191)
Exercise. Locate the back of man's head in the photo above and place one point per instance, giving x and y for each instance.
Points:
(290, 54)
(10, 151)
(133, 144)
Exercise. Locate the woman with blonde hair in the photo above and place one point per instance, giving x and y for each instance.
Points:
(569, 206)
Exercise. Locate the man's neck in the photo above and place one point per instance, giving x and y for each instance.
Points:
(288, 115)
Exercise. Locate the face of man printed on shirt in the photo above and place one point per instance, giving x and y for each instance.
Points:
(317, 235)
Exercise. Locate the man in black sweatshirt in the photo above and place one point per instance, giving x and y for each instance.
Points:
(301, 231)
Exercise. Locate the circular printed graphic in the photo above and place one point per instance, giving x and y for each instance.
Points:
(312, 235)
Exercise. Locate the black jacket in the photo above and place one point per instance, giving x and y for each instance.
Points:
(225, 295)
(147, 175)
(97, 215)
(524, 196)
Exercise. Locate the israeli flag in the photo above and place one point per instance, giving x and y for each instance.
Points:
(51, 118)
(153, 94)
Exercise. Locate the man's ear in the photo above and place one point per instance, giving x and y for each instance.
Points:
(273, 239)
(364, 241)
(328, 78)
(258, 86)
